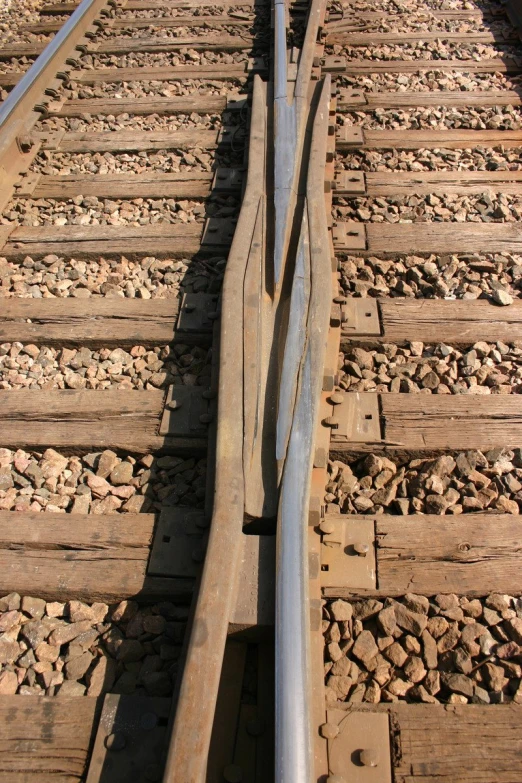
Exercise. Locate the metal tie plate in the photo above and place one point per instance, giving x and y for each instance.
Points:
(350, 136)
(359, 750)
(349, 235)
(357, 419)
(179, 543)
(186, 412)
(360, 318)
(350, 183)
(196, 313)
(348, 553)
(227, 179)
(218, 232)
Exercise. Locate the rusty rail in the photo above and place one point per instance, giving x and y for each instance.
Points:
(188, 752)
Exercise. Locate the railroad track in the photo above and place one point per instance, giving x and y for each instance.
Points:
(260, 366)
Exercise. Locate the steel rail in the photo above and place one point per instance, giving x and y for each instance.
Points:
(312, 287)
(190, 742)
(47, 59)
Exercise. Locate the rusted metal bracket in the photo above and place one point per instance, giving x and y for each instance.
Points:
(130, 739)
(360, 318)
(349, 235)
(197, 313)
(348, 98)
(354, 418)
(218, 232)
(350, 136)
(333, 64)
(358, 746)
(27, 184)
(236, 102)
(349, 183)
(179, 543)
(227, 180)
(186, 413)
(348, 553)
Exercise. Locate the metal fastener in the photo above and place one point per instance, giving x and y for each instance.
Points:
(173, 405)
(255, 727)
(25, 143)
(206, 418)
(198, 554)
(148, 721)
(369, 757)
(337, 398)
(233, 773)
(361, 549)
(327, 527)
(331, 421)
(115, 741)
(329, 730)
(340, 300)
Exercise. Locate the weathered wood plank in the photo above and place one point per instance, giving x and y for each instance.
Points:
(165, 22)
(183, 104)
(22, 50)
(97, 321)
(356, 67)
(134, 141)
(178, 240)
(464, 744)
(382, 183)
(444, 237)
(470, 554)
(397, 100)
(436, 422)
(375, 39)
(145, 5)
(88, 420)
(163, 74)
(217, 43)
(155, 184)
(92, 557)
(440, 743)
(46, 739)
(456, 322)
(429, 139)
(425, 421)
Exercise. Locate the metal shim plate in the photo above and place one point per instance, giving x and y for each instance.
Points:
(360, 731)
(341, 565)
(184, 406)
(179, 535)
(139, 724)
(360, 317)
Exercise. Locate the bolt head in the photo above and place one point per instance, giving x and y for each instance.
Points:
(115, 741)
(337, 398)
(361, 548)
(327, 527)
(148, 721)
(198, 554)
(369, 757)
(255, 727)
(233, 773)
(329, 730)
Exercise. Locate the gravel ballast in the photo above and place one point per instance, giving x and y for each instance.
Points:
(81, 649)
(446, 649)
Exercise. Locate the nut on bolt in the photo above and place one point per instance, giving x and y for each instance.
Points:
(25, 143)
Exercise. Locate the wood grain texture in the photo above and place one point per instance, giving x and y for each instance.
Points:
(220, 42)
(46, 739)
(375, 39)
(471, 554)
(88, 420)
(97, 321)
(164, 74)
(147, 185)
(444, 237)
(436, 422)
(174, 239)
(137, 141)
(459, 744)
(184, 104)
(400, 100)
(442, 182)
(496, 65)
(438, 320)
(209, 22)
(449, 139)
